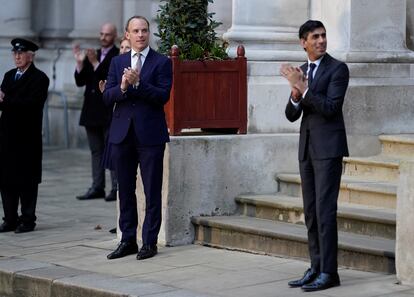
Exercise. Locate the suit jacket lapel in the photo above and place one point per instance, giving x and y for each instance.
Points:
(321, 69)
(148, 61)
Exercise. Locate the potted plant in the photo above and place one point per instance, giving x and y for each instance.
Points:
(209, 89)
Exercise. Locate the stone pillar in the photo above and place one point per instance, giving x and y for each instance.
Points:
(222, 10)
(90, 15)
(267, 29)
(15, 18)
(410, 24)
(404, 252)
(355, 34)
(53, 18)
(15, 21)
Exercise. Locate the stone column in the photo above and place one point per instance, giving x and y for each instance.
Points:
(355, 34)
(90, 15)
(15, 18)
(404, 252)
(410, 24)
(267, 29)
(222, 10)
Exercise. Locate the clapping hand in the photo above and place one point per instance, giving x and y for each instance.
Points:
(296, 78)
(78, 53)
(92, 56)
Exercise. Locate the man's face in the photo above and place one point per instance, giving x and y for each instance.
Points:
(315, 44)
(107, 35)
(138, 34)
(22, 60)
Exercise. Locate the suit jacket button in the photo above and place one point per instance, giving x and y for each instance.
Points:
(93, 91)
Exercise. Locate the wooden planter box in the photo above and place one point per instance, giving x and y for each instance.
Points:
(208, 94)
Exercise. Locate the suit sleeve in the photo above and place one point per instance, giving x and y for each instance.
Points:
(292, 112)
(112, 92)
(158, 92)
(85, 75)
(330, 103)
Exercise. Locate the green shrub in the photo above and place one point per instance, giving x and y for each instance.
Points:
(188, 24)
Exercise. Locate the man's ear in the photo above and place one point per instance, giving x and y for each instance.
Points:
(303, 43)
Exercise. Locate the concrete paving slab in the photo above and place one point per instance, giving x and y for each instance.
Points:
(66, 255)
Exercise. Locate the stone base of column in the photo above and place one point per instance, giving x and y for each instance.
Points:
(404, 252)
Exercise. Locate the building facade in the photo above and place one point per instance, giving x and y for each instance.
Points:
(374, 37)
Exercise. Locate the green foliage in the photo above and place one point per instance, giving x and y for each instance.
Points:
(188, 24)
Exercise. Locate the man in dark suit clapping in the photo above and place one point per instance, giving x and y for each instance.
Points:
(318, 91)
(138, 84)
(22, 97)
(91, 67)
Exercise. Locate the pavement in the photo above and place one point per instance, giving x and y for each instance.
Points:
(66, 255)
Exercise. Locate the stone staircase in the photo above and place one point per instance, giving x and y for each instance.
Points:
(274, 224)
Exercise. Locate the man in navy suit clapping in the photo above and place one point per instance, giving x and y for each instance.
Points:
(138, 84)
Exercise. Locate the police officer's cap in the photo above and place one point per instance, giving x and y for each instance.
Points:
(23, 45)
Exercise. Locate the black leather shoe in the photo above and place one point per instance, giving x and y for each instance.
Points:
(6, 227)
(309, 276)
(23, 228)
(322, 282)
(111, 196)
(147, 251)
(92, 194)
(113, 230)
(125, 248)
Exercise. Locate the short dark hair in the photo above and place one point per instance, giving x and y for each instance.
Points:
(136, 17)
(309, 26)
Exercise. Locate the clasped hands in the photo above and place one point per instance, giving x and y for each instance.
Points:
(297, 80)
(130, 77)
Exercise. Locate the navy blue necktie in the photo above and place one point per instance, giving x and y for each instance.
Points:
(17, 75)
(310, 73)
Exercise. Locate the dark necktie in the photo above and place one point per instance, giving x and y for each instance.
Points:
(310, 73)
(17, 75)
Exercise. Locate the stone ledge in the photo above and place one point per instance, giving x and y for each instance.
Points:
(20, 277)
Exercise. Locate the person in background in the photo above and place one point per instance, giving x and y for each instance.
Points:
(139, 84)
(124, 46)
(318, 97)
(23, 94)
(91, 67)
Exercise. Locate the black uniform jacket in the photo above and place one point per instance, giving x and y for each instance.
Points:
(94, 112)
(21, 126)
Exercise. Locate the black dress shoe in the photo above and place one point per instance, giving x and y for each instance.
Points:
(322, 282)
(23, 228)
(111, 196)
(113, 230)
(6, 227)
(147, 251)
(309, 276)
(125, 248)
(92, 194)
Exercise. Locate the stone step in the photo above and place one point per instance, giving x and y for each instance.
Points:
(283, 239)
(379, 168)
(353, 190)
(355, 218)
(401, 145)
